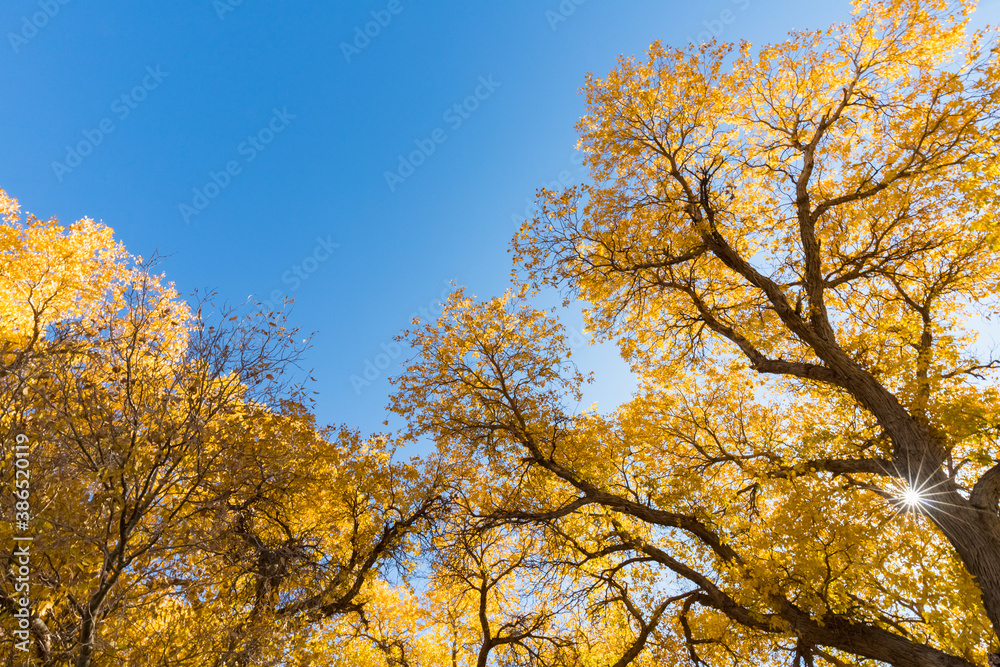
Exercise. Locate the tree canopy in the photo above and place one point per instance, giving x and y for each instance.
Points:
(795, 249)
(185, 507)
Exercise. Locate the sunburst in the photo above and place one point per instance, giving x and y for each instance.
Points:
(912, 498)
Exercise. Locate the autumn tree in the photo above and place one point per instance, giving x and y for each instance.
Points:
(795, 248)
(186, 507)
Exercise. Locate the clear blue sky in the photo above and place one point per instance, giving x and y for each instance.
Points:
(299, 131)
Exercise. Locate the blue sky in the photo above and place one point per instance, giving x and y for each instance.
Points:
(250, 142)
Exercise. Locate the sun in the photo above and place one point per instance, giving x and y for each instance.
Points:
(912, 497)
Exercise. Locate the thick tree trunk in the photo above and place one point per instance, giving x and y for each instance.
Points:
(975, 535)
(918, 455)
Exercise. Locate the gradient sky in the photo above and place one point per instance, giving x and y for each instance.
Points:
(290, 117)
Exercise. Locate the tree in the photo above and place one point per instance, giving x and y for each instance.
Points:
(185, 507)
(793, 249)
